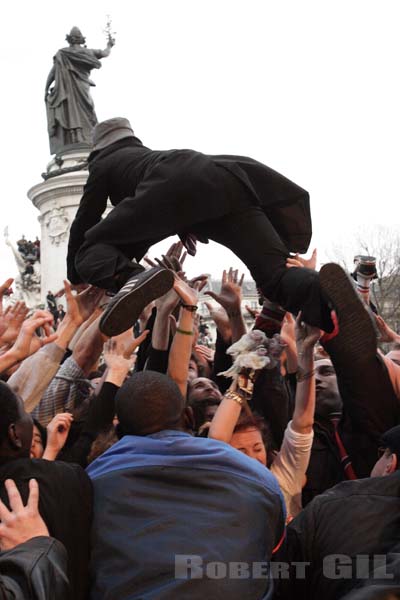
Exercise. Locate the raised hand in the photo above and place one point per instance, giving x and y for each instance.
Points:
(252, 311)
(21, 523)
(3, 289)
(386, 334)
(173, 259)
(13, 318)
(205, 352)
(306, 335)
(299, 261)
(23, 344)
(288, 329)
(230, 296)
(188, 294)
(57, 433)
(81, 306)
(221, 320)
(167, 303)
(119, 357)
(125, 344)
(114, 357)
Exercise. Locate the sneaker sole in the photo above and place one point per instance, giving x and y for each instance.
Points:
(356, 340)
(126, 310)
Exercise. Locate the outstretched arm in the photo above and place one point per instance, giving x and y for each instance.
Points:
(303, 416)
(107, 49)
(230, 298)
(181, 349)
(21, 348)
(226, 416)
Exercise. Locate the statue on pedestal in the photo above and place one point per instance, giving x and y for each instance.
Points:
(70, 108)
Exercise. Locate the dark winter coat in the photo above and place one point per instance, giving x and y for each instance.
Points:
(355, 518)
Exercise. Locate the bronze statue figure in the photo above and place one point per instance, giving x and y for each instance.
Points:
(69, 104)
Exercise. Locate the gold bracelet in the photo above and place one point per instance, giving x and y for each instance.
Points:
(178, 330)
(234, 396)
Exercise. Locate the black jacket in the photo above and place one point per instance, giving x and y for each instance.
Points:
(65, 504)
(354, 518)
(384, 581)
(176, 189)
(34, 570)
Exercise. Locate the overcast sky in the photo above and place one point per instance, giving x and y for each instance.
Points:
(309, 87)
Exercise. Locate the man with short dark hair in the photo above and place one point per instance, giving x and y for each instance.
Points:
(352, 521)
(389, 452)
(169, 508)
(65, 490)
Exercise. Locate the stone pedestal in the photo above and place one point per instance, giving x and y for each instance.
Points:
(57, 198)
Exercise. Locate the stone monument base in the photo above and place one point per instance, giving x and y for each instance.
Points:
(57, 198)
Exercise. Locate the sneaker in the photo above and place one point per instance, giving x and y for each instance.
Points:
(124, 309)
(356, 341)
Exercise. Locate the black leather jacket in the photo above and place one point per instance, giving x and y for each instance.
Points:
(35, 570)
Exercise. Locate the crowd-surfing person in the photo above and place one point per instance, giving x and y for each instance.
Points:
(138, 461)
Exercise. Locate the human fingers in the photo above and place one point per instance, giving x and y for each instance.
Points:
(202, 277)
(49, 339)
(212, 294)
(4, 286)
(64, 423)
(14, 496)
(209, 306)
(167, 262)
(183, 257)
(4, 512)
(200, 285)
(171, 250)
(33, 498)
(293, 262)
(149, 261)
(41, 313)
(137, 341)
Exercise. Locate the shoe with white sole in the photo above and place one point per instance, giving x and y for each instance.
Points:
(124, 309)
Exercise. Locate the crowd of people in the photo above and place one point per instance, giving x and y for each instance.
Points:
(138, 459)
(28, 249)
(132, 468)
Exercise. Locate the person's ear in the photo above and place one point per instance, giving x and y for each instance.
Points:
(13, 437)
(392, 464)
(187, 418)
